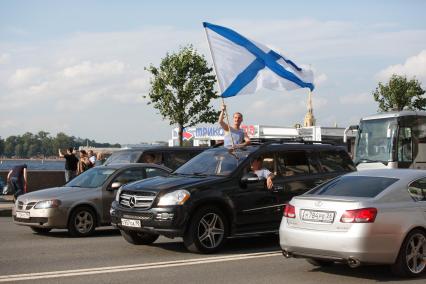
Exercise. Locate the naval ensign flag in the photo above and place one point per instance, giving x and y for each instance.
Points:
(244, 66)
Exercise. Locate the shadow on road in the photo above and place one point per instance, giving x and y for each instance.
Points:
(379, 273)
(99, 233)
(232, 246)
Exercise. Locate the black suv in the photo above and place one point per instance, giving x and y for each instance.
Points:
(214, 195)
(171, 157)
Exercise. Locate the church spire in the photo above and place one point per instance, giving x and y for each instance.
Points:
(309, 117)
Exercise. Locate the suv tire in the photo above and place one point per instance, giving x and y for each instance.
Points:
(82, 222)
(207, 231)
(139, 238)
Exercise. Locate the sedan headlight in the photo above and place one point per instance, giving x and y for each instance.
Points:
(177, 197)
(47, 204)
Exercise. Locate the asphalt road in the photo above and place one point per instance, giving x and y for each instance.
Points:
(106, 258)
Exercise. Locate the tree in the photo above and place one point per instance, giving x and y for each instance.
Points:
(1, 147)
(399, 94)
(182, 88)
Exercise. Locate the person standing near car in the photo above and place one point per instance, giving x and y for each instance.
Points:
(71, 162)
(234, 135)
(17, 177)
(84, 163)
(92, 158)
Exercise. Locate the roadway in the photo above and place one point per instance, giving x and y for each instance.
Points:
(26, 257)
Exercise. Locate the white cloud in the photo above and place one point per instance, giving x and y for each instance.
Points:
(414, 66)
(24, 76)
(356, 99)
(88, 68)
(4, 58)
(320, 79)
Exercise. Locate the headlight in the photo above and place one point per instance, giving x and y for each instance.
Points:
(177, 197)
(48, 204)
(117, 195)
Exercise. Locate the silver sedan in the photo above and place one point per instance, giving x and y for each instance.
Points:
(365, 217)
(83, 203)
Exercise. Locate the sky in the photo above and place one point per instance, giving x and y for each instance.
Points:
(78, 66)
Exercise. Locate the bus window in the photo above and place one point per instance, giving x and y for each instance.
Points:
(405, 146)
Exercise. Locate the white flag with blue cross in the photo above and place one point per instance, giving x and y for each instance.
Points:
(244, 66)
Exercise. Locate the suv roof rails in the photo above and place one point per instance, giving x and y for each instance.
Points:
(268, 141)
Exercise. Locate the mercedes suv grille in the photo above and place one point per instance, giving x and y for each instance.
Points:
(142, 200)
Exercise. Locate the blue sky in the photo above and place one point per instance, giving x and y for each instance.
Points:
(78, 66)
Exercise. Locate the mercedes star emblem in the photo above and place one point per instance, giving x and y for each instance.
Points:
(132, 201)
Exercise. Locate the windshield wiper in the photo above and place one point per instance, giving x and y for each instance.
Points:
(182, 174)
(199, 174)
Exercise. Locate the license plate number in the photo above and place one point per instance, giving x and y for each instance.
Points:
(23, 215)
(318, 216)
(130, 222)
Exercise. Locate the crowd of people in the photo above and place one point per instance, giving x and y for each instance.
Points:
(75, 166)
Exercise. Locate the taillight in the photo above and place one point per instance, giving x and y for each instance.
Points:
(364, 215)
(289, 211)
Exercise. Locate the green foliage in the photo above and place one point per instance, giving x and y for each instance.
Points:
(42, 145)
(182, 88)
(399, 94)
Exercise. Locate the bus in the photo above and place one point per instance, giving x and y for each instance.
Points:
(391, 140)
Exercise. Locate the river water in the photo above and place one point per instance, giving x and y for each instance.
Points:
(34, 164)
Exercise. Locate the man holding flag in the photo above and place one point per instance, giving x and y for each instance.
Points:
(234, 135)
(243, 66)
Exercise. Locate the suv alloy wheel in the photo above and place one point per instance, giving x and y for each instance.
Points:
(207, 231)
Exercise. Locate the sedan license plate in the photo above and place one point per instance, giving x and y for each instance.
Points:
(130, 222)
(22, 215)
(318, 216)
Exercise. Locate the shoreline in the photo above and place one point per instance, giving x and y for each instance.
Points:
(32, 159)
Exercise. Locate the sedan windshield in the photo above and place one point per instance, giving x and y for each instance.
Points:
(220, 161)
(94, 177)
(354, 186)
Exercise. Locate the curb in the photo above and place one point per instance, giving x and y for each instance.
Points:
(6, 212)
(6, 205)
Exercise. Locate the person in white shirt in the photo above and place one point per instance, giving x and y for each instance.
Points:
(256, 167)
(239, 136)
(92, 157)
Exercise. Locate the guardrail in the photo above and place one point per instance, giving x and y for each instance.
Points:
(41, 179)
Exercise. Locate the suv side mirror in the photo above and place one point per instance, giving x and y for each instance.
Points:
(250, 178)
(115, 185)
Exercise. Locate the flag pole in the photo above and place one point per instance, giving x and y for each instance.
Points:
(220, 88)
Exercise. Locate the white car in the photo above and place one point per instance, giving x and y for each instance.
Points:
(368, 217)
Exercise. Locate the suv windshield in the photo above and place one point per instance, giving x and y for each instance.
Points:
(123, 157)
(94, 177)
(218, 161)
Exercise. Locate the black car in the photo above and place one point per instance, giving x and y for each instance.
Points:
(171, 157)
(215, 196)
